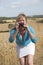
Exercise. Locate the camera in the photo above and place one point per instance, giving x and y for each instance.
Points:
(21, 25)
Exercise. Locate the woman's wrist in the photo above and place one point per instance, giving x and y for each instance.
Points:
(28, 29)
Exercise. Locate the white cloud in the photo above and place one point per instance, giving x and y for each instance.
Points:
(14, 4)
(18, 4)
(25, 3)
(12, 7)
(21, 3)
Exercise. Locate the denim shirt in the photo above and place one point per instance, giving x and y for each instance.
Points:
(26, 40)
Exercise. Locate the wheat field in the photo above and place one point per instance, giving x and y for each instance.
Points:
(8, 55)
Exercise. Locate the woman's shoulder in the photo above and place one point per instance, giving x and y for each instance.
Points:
(12, 30)
(30, 27)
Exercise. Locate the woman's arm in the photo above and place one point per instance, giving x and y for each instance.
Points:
(13, 33)
(12, 36)
(32, 34)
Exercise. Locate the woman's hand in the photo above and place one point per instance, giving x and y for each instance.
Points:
(17, 26)
(26, 26)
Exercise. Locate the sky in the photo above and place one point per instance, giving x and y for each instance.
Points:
(11, 8)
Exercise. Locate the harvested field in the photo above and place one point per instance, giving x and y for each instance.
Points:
(8, 54)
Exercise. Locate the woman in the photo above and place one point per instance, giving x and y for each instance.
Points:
(25, 40)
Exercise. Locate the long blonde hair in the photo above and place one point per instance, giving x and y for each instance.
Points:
(20, 16)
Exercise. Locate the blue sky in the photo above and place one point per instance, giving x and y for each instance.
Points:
(11, 8)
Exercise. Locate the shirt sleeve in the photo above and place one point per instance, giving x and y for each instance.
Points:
(34, 40)
(12, 31)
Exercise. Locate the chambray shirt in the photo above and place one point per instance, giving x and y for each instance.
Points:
(26, 40)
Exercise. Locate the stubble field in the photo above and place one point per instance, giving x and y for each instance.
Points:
(8, 55)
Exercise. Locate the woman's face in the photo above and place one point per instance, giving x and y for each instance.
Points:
(22, 20)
